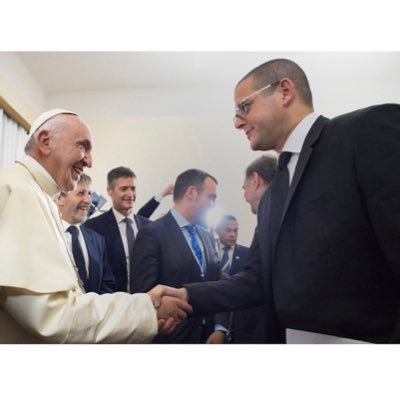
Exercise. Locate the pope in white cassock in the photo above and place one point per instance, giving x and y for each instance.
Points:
(41, 298)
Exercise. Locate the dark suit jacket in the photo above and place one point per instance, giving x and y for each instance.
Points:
(106, 225)
(162, 255)
(148, 209)
(335, 267)
(247, 325)
(101, 278)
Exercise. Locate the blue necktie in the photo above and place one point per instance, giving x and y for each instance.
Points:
(78, 255)
(224, 260)
(195, 244)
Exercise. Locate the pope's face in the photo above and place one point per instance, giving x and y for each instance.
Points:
(70, 153)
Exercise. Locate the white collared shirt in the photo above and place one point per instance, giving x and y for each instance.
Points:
(68, 238)
(296, 140)
(230, 254)
(45, 173)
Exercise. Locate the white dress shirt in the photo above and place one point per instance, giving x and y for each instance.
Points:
(68, 239)
(296, 139)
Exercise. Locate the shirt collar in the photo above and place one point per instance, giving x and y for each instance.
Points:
(179, 218)
(295, 141)
(66, 225)
(42, 176)
(120, 217)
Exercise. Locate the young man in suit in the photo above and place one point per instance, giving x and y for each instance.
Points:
(176, 249)
(325, 258)
(87, 246)
(119, 226)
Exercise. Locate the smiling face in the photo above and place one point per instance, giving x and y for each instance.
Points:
(68, 150)
(74, 205)
(263, 122)
(228, 232)
(123, 194)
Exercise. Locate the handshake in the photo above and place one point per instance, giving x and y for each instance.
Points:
(172, 307)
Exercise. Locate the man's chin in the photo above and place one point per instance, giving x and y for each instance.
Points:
(68, 186)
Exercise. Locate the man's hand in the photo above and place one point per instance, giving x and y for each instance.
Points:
(169, 189)
(160, 290)
(165, 327)
(170, 310)
(172, 307)
(217, 337)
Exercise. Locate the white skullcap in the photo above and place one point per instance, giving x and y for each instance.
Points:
(42, 118)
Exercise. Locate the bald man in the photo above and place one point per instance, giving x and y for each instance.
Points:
(41, 298)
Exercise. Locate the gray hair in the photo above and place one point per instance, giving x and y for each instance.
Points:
(265, 166)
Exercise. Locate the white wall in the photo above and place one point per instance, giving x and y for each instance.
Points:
(161, 131)
(19, 87)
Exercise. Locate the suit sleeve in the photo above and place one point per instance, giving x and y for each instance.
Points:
(237, 292)
(146, 262)
(148, 209)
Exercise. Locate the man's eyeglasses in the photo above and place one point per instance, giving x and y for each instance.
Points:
(243, 106)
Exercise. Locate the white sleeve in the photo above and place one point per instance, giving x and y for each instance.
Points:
(74, 317)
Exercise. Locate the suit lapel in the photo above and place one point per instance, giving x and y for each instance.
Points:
(115, 235)
(94, 272)
(304, 156)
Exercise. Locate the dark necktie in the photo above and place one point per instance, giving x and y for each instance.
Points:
(130, 237)
(195, 245)
(224, 260)
(78, 255)
(280, 189)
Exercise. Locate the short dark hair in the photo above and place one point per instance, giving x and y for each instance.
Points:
(119, 172)
(226, 218)
(190, 177)
(275, 70)
(265, 166)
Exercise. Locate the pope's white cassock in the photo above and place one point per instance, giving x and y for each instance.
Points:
(40, 298)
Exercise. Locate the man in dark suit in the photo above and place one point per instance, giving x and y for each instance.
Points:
(175, 249)
(258, 177)
(119, 226)
(326, 257)
(89, 251)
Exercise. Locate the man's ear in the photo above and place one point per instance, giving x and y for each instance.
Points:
(256, 180)
(43, 142)
(191, 193)
(60, 200)
(287, 91)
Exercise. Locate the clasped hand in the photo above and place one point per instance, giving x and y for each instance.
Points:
(171, 305)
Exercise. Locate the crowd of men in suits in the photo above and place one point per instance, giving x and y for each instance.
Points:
(120, 250)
